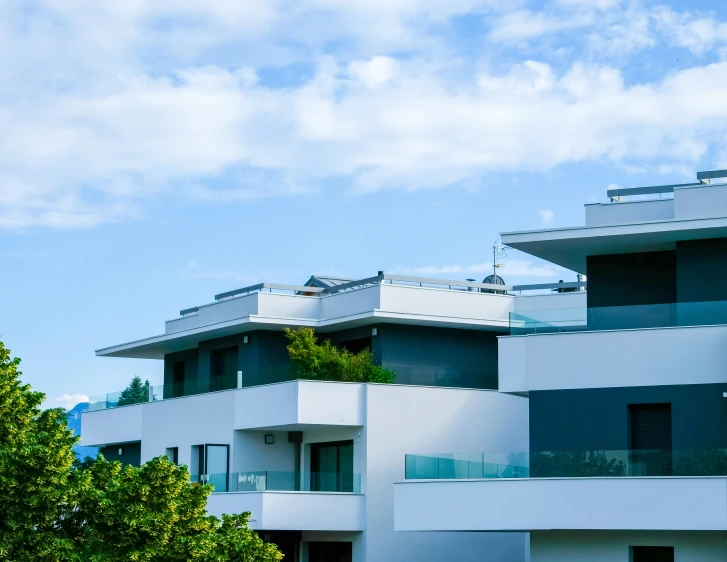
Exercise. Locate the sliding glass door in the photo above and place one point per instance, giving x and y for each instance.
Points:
(332, 466)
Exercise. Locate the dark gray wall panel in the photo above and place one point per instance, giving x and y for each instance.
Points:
(418, 354)
(632, 279)
(598, 419)
(190, 365)
(702, 270)
(439, 356)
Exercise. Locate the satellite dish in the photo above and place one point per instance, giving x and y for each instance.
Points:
(493, 280)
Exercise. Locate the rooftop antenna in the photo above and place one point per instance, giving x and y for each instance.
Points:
(499, 251)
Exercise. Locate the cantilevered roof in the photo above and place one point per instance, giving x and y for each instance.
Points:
(569, 247)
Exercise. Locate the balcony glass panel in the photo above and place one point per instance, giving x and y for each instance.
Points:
(428, 376)
(280, 481)
(568, 464)
(619, 317)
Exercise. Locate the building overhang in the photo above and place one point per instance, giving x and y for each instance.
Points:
(569, 247)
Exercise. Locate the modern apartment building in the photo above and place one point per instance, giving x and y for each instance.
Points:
(627, 394)
(315, 462)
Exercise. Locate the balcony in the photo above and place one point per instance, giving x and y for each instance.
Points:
(293, 511)
(613, 358)
(287, 406)
(601, 490)
(281, 500)
(568, 464)
(282, 481)
(618, 318)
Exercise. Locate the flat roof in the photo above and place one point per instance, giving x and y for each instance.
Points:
(569, 247)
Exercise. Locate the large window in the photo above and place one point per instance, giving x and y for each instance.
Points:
(332, 467)
(212, 462)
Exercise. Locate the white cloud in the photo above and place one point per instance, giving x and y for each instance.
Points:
(696, 32)
(105, 108)
(68, 401)
(546, 217)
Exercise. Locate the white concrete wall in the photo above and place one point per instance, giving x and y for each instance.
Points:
(398, 301)
(622, 503)
(554, 301)
(184, 422)
(349, 303)
(401, 420)
(216, 312)
(625, 212)
(303, 511)
(105, 427)
(299, 403)
(280, 305)
(445, 304)
(616, 358)
(592, 546)
(707, 201)
(385, 423)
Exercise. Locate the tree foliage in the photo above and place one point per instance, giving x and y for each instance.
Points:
(324, 361)
(136, 393)
(35, 465)
(55, 510)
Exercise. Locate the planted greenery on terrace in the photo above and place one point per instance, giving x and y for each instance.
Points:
(324, 361)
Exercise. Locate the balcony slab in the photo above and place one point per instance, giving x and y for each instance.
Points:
(623, 504)
(293, 511)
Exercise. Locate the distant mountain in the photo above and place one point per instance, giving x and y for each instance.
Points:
(74, 424)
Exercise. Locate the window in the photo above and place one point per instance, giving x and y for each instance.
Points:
(223, 369)
(212, 462)
(177, 379)
(652, 554)
(173, 454)
(332, 467)
(651, 439)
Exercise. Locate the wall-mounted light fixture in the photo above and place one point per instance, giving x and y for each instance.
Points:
(245, 339)
(269, 438)
(374, 332)
(121, 451)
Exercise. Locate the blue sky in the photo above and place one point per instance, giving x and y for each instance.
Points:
(155, 153)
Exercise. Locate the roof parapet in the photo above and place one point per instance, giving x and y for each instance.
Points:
(383, 278)
(702, 179)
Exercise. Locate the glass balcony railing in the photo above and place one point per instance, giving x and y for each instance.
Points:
(430, 376)
(282, 481)
(619, 317)
(267, 375)
(568, 464)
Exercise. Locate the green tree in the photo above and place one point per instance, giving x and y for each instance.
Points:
(55, 510)
(324, 361)
(154, 514)
(35, 470)
(136, 393)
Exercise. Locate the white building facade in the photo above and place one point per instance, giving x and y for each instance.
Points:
(315, 461)
(627, 392)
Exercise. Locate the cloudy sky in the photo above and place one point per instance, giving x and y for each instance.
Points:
(154, 153)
